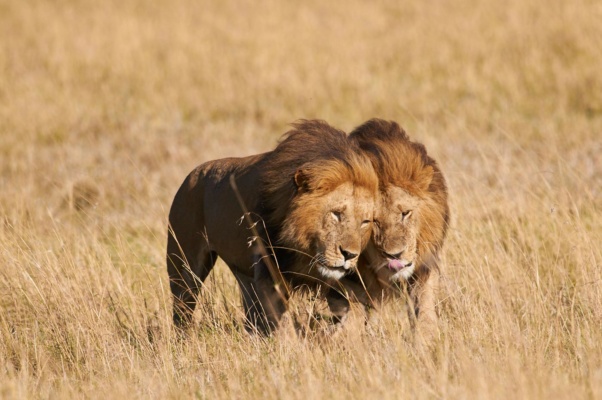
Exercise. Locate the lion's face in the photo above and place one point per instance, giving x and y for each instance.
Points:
(335, 227)
(347, 214)
(393, 247)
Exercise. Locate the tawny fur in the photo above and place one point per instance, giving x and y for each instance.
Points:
(411, 181)
(315, 194)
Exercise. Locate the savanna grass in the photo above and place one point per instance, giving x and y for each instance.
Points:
(105, 106)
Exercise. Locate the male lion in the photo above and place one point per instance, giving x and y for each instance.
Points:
(410, 223)
(312, 198)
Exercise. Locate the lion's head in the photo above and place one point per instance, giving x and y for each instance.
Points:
(320, 191)
(412, 214)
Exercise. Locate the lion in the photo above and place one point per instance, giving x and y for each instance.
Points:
(410, 225)
(309, 202)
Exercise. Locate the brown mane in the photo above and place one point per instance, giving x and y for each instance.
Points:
(403, 163)
(326, 159)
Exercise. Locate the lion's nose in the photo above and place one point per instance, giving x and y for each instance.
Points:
(347, 255)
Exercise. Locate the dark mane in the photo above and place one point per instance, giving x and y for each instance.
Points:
(324, 154)
(403, 163)
(397, 160)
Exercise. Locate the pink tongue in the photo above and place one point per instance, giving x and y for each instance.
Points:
(395, 264)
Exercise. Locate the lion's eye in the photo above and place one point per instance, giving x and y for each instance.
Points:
(336, 215)
(365, 223)
(406, 214)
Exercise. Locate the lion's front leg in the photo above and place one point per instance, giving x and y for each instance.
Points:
(338, 303)
(422, 289)
(273, 304)
(263, 301)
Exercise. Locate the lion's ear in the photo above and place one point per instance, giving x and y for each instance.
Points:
(424, 178)
(301, 180)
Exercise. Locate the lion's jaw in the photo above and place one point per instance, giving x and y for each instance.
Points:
(331, 273)
(393, 247)
(332, 228)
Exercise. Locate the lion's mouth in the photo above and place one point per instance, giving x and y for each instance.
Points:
(330, 269)
(332, 272)
(397, 265)
(398, 268)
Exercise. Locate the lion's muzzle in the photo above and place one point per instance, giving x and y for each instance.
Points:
(398, 265)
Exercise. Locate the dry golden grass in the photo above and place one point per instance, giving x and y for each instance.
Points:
(106, 106)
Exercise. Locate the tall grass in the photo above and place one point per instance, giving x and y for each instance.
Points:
(106, 106)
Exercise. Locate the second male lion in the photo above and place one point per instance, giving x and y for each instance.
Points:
(410, 223)
(315, 192)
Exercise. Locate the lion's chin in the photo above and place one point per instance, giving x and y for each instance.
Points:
(398, 269)
(405, 272)
(331, 273)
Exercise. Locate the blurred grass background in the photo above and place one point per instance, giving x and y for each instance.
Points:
(106, 106)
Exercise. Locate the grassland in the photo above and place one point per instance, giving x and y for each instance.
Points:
(106, 106)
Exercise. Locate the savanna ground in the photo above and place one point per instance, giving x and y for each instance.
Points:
(106, 106)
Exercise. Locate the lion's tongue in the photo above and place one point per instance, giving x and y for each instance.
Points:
(396, 265)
